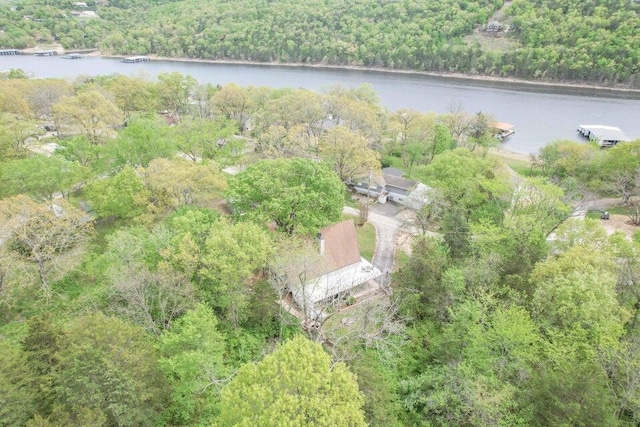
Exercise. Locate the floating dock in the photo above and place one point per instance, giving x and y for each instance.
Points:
(46, 53)
(503, 130)
(134, 59)
(10, 52)
(605, 136)
(73, 56)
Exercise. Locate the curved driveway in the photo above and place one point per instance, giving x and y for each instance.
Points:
(386, 229)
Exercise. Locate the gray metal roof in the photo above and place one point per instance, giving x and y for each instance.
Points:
(605, 133)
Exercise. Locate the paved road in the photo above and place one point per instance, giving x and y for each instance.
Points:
(386, 230)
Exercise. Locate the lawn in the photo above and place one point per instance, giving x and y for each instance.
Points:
(366, 240)
(613, 210)
(366, 237)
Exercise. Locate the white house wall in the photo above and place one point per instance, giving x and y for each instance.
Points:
(334, 283)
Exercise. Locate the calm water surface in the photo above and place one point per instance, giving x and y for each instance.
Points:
(540, 115)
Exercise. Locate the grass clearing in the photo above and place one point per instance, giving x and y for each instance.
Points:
(613, 210)
(366, 237)
(366, 240)
(491, 43)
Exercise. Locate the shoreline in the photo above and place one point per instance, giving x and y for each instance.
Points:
(567, 86)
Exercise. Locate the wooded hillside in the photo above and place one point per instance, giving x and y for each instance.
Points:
(594, 41)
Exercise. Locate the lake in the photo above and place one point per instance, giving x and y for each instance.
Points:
(539, 114)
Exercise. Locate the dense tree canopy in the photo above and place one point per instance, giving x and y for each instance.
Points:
(296, 385)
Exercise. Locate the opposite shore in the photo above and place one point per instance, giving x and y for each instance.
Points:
(584, 87)
(570, 86)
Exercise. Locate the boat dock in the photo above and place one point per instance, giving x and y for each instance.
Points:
(73, 56)
(605, 136)
(10, 52)
(134, 59)
(46, 53)
(503, 130)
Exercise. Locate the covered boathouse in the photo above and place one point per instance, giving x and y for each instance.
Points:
(605, 136)
(135, 59)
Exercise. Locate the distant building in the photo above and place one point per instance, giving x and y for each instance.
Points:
(84, 14)
(493, 27)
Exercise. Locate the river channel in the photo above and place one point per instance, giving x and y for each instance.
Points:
(539, 114)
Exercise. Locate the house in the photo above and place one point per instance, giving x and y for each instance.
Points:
(336, 273)
(396, 189)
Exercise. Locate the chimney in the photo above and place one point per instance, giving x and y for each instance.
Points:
(321, 243)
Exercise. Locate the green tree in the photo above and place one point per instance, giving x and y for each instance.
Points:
(568, 388)
(199, 138)
(184, 183)
(40, 346)
(231, 101)
(81, 151)
(174, 90)
(620, 170)
(44, 235)
(349, 154)
(233, 253)
(133, 94)
(89, 113)
(465, 180)
(441, 141)
(481, 131)
(121, 196)
(41, 176)
(456, 233)
(14, 134)
(420, 281)
(144, 139)
(17, 398)
(300, 195)
(297, 385)
(192, 360)
(109, 367)
(575, 293)
(562, 159)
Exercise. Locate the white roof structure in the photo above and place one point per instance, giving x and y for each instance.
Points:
(336, 282)
(606, 135)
